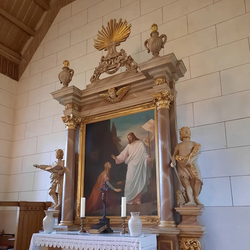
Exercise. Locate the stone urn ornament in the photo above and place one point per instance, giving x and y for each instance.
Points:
(135, 224)
(66, 75)
(155, 43)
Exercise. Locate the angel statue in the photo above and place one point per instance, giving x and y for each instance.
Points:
(186, 154)
(56, 176)
(114, 95)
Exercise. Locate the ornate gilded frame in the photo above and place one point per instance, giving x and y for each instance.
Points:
(148, 221)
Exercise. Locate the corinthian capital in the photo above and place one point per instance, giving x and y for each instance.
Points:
(71, 121)
(163, 100)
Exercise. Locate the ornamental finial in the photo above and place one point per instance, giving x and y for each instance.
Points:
(155, 43)
(66, 63)
(154, 27)
(65, 76)
(113, 35)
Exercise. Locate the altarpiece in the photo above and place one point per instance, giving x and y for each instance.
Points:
(141, 99)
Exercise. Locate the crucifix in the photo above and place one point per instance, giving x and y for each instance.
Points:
(104, 220)
(104, 189)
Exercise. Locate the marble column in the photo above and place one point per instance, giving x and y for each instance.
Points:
(174, 142)
(71, 123)
(162, 101)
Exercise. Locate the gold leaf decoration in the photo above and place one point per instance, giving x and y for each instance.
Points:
(115, 33)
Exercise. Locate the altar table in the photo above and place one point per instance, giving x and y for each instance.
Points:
(114, 241)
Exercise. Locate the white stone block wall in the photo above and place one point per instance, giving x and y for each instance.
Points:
(212, 37)
(8, 91)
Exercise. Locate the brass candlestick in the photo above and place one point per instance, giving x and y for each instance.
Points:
(123, 226)
(82, 226)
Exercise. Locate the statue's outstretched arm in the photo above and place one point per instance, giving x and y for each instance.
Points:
(43, 167)
(55, 168)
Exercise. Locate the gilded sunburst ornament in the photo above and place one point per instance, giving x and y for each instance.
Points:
(113, 34)
(108, 39)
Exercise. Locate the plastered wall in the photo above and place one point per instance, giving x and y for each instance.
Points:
(210, 36)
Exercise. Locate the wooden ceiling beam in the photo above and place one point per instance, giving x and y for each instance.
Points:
(43, 4)
(18, 23)
(55, 6)
(10, 54)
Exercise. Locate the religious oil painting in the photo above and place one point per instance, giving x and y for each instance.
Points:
(121, 150)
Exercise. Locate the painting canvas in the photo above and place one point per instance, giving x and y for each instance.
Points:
(110, 137)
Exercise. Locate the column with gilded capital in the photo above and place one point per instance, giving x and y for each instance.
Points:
(163, 101)
(71, 122)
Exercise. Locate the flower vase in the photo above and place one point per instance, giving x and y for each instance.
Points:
(48, 221)
(135, 224)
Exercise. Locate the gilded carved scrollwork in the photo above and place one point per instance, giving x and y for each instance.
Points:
(163, 99)
(152, 220)
(71, 121)
(112, 64)
(159, 81)
(72, 106)
(189, 243)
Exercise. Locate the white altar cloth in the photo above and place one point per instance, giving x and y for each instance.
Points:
(93, 241)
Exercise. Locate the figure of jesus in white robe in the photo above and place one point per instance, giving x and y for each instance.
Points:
(137, 177)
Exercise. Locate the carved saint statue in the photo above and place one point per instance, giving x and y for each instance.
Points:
(186, 154)
(57, 171)
(114, 95)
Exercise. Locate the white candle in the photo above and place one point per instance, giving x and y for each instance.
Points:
(82, 212)
(123, 212)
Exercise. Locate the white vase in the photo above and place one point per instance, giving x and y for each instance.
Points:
(48, 221)
(135, 224)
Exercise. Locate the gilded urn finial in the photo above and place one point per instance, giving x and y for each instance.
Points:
(155, 43)
(65, 76)
(154, 27)
(66, 63)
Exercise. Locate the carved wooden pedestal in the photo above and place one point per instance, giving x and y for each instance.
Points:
(167, 238)
(167, 242)
(190, 229)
